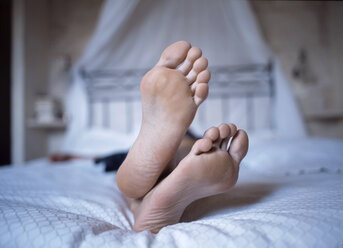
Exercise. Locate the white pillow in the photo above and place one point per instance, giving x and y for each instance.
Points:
(296, 156)
(98, 142)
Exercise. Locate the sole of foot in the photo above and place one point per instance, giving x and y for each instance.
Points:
(210, 168)
(171, 93)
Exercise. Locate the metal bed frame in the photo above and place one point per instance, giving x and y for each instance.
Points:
(240, 81)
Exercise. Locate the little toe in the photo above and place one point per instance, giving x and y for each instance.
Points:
(193, 54)
(212, 133)
(201, 146)
(198, 66)
(239, 146)
(174, 54)
(202, 78)
(201, 93)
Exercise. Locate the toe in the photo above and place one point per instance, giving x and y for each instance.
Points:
(203, 78)
(201, 93)
(233, 129)
(201, 146)
(212, 134)
(239, 146)
(198, 66)
(225, 133)
(173, 55)
(193, 54)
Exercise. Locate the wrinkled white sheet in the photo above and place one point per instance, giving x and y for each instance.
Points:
(74, 204)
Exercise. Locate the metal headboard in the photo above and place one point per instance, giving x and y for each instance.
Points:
(240, 81)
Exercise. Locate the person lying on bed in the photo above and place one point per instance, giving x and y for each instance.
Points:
(163, 172)
(166, 170)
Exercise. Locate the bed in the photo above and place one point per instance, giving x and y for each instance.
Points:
(289, 194)
(76, 204)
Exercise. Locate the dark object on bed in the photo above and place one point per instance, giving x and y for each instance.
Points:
(112, 162)
(62, 157)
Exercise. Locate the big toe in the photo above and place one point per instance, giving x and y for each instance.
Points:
(239, 146)
(174, 54)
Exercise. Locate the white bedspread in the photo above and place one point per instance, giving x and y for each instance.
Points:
(76, 205)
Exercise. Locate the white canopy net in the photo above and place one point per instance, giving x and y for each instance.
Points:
(131, 34)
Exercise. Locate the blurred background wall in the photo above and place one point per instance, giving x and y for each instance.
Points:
(306, 35)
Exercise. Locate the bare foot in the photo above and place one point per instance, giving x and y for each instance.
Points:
(209, 169)
(171, 93)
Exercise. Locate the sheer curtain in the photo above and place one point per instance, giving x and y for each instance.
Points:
(132, 34)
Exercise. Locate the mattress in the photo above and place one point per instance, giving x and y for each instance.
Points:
(76, 204)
